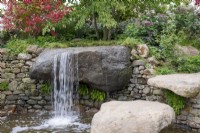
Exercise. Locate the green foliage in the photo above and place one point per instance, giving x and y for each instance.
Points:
(167, 44)
(98, 95)
(187, 20)
(164, 70)
(155, 51)
(175, 101)
(17, 46)
(186, 26)
(186, 40)
(147, 28)
(131, 42)
(4, 86)
(4, 36)
(83, 90)
(93, 94)
(104, 14)
(188, 64)
(45, 88)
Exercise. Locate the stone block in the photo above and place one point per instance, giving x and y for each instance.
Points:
(138, 63)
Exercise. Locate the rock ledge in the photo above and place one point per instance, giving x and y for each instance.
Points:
(186, 85)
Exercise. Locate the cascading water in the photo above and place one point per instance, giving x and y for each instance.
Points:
(65, 80)
(65, 77)
(65, 73)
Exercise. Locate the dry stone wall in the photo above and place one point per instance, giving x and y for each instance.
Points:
(17, 91)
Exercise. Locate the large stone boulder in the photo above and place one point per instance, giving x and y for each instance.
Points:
(132, 117)
(187, 50)
(186, 85)
(106, 67)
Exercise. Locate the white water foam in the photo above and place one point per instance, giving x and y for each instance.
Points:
(67, 123)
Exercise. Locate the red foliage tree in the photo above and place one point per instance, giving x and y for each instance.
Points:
(197, 2)
(32, 16)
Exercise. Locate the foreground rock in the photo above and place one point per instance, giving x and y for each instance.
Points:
(132, 117)
(105, 68)
(186, 85)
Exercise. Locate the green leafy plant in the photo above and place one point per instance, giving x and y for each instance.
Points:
(148, 28)
(93, 94)
(164, 70)
(83, 90)
(4, 86)
(189, 64)
(97, 95)
(155, 51)
(17, 46)
(132, 42)
(45, 88)
(175, 101)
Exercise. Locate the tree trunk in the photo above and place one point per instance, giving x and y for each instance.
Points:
(109, 34)
(105, 34)
(95, 26)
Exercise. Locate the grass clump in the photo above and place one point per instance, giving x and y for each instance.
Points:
(132, 42)
(175, 101)
(17, 46)
(93, 94)
(165, 70)
(4, 86)
(45, 88)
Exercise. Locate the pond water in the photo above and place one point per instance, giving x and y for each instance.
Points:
(42, 123)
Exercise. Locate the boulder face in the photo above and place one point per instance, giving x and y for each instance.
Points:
(187, 50)
(132, 117)
(105, 67)
(186, 85)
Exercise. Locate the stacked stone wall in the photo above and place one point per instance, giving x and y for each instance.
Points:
(17, 91)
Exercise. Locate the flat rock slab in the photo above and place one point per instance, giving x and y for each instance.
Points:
(105, 68)
(132, 117)
(186, 85)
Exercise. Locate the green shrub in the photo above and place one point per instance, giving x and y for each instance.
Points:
(189, 64)
(45, 88)
(187, 20)
(17, 46)
(148, 28)
(155, 51)
(4, 36)
(167, 44)
(93, 94)
(164, 70)
(131, 42)
(4, 86)
(175, 101)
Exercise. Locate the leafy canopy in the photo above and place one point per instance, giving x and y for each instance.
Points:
(32, 16)
(110, 12)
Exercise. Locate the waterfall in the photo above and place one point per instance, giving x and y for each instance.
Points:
(65, 73)
(65, 79)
